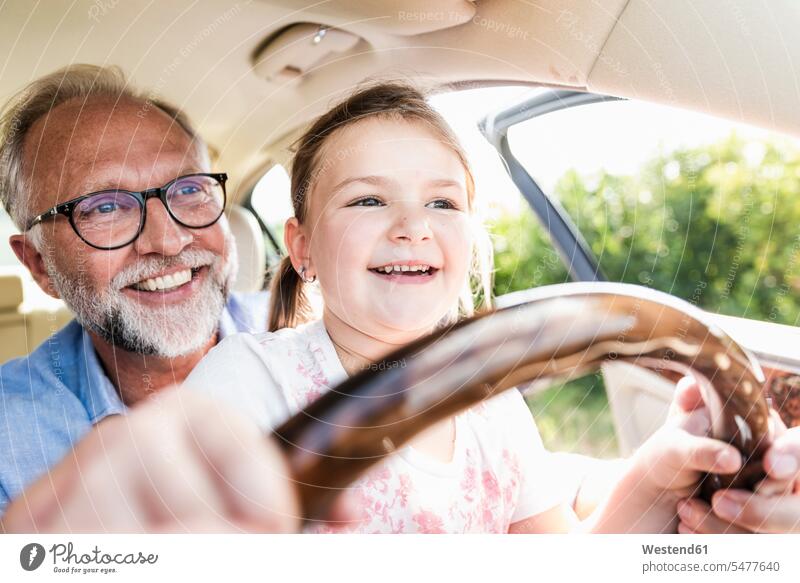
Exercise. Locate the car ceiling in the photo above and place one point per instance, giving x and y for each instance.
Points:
(737, 59)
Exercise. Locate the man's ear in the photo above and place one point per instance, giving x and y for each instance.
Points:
(298, 245)
(33, 260)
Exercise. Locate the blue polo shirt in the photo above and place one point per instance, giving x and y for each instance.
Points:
(50, 399)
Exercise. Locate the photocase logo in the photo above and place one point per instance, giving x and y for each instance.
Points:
(31, 556)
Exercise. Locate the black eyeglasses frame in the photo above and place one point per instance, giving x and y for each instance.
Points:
(66, 208)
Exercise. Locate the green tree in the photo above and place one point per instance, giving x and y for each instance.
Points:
(716, 226)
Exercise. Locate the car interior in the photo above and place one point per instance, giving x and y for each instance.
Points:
(251, 75)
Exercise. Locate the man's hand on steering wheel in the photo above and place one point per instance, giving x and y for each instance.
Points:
(774, 508)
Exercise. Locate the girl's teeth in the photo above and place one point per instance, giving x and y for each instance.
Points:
(404, 268)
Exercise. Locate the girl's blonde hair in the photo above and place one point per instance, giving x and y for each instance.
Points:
(290, 306)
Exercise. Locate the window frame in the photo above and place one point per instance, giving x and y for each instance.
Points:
(567, 240)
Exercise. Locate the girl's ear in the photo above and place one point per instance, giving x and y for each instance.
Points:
(297, 244)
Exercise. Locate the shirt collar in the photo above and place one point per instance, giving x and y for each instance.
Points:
(95, 389)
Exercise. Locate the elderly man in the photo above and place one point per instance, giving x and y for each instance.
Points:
(121, 218)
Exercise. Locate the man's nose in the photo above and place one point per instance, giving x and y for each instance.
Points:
(411, 225)
(161, 234)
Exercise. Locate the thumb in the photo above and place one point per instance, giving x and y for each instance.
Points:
(687, 397)
(675, 458)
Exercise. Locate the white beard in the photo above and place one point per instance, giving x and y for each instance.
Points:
(168, 331)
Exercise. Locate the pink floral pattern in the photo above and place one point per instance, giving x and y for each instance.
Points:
(397, 497)
(428, 523)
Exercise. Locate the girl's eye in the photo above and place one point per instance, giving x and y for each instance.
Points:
(442, 203)
(367, 201)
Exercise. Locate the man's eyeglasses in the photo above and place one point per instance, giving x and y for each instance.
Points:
(111, 219)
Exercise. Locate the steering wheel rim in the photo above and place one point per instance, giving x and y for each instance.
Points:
(545, 333)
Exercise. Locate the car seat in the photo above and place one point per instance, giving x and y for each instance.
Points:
(251, 249)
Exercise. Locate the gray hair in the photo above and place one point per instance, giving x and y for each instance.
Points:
(75, 82)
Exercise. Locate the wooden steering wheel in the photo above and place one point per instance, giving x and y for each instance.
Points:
(551, 332)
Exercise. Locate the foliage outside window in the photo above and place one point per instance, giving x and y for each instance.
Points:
(716, 226)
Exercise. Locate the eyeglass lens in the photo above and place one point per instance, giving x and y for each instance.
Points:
(112, 218)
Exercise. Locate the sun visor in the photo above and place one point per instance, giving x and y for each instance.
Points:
(395, 17)
(295, 50)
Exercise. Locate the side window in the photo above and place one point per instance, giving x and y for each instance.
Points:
(695, 206)
(271, 200)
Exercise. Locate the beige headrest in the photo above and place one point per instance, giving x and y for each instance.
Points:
(10, 292)
(251, 249)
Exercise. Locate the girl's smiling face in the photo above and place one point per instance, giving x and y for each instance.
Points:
(388, 228)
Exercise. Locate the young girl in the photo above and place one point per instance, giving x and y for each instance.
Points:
(384, 226)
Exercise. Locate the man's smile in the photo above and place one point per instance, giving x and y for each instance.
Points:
(174, 286)
(167, 281)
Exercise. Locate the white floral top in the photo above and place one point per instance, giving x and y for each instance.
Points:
(500, 473)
